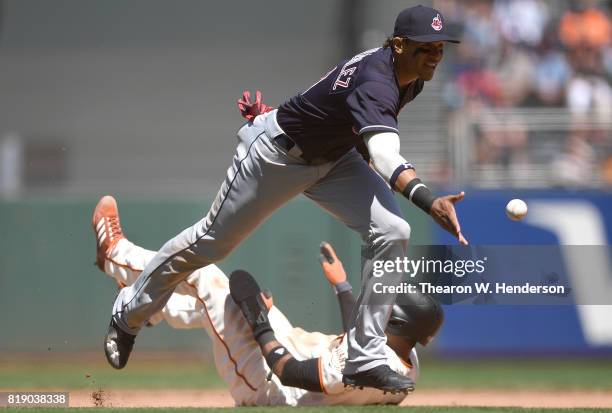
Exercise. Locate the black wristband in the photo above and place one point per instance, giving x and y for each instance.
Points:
(302, 374)
(275, 355)
(418, 193)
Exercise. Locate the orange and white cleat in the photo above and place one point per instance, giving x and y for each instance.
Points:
(107, 228)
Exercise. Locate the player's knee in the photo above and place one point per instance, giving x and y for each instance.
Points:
(399, 231)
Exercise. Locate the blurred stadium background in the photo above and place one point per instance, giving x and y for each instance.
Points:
(137, 99)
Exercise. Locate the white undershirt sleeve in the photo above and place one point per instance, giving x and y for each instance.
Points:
(384, 152)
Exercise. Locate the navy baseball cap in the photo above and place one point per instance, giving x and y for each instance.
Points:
(422, 24)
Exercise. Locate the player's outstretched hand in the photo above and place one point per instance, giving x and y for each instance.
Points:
(250, 110)
(332, 266)
(443, 212)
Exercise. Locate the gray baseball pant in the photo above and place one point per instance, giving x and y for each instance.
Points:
(262, 178)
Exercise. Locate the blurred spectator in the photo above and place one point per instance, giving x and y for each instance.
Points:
(480, 30)
(584, 25)
(586, 94)
(552, 72)
(521, 21)
(479, 84)
(514, 67)
(551, 76)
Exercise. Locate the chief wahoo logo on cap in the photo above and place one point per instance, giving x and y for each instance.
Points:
(437, 23)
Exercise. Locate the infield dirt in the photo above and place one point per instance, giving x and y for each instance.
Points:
(454, 397)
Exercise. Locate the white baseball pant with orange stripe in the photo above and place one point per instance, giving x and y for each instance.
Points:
(203, 301)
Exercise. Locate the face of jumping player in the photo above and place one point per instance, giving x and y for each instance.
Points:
(418, 59)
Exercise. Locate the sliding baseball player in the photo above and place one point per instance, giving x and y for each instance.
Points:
(309, 370)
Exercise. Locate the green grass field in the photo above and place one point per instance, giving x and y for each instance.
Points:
(166, 373)
(171, 373)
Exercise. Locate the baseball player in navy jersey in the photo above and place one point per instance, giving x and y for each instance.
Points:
(309, 371)
(307, 146)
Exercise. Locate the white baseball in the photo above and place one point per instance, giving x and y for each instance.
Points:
(516, 209)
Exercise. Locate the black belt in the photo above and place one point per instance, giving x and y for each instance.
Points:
(292, 148)
(285, 142)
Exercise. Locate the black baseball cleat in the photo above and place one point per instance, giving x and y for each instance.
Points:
(246, 293)
(118, 346)
(380, 377)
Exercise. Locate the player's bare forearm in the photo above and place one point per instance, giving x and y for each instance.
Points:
(404, 178)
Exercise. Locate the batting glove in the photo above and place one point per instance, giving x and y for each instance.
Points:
(250, 110)
(331, 264)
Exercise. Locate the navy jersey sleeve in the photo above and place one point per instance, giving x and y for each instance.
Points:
(373, 107)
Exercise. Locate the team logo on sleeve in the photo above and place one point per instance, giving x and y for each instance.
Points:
(437, 23)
